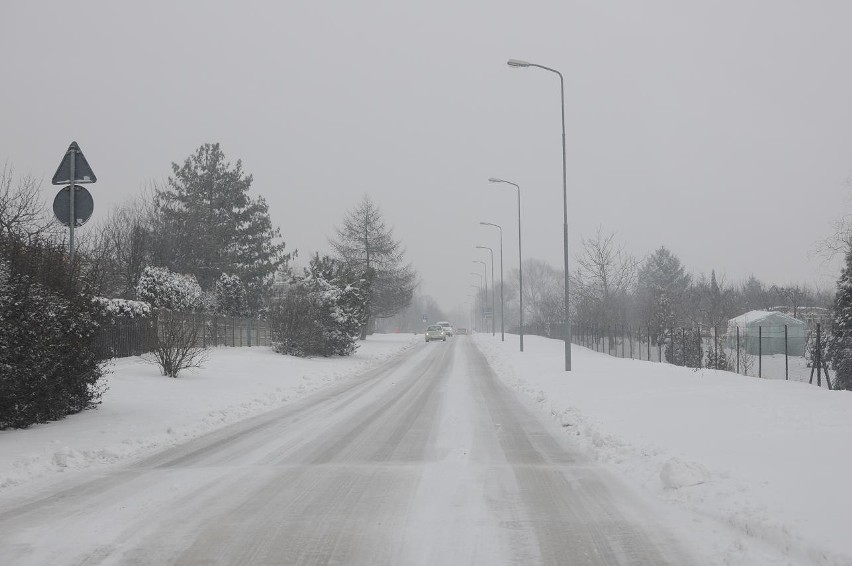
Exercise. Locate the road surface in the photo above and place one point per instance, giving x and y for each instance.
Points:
(428, 459)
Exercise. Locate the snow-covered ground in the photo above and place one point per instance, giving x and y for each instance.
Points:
(143, 411)
(769, 461)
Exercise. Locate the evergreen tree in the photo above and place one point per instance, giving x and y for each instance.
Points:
(662, 283)
(229, 296)
(367, 246)
(206, 210)
(840, 346)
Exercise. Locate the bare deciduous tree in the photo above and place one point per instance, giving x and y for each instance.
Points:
(605, 277)
(120, 247)
(22, 211)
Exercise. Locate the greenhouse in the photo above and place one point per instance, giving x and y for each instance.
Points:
(764, 332)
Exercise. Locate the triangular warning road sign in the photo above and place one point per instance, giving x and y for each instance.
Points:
(82, 171)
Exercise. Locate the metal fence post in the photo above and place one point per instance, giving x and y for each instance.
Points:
(716, 346)
(759, 351)
(649, 342)
(698, 345)
(786, 360)
(818, 358)
(738, 349)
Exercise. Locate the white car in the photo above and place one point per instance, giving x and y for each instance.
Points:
(436, 332)
(448, 328)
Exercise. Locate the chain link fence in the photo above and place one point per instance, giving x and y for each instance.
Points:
(773, 352)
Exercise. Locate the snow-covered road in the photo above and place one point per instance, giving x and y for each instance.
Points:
(426, 459)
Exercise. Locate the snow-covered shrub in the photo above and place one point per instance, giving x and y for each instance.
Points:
(229, 296)
(49, 367)
(120, 309)
(321, 312)
(684, 349)
(162, 288)
(717, 359)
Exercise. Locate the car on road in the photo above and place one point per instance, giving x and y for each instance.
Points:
(436, 332)
(448, 328)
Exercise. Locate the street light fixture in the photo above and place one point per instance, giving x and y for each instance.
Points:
(502, 304)
(518, 63)
(490, 251)
(520, 259)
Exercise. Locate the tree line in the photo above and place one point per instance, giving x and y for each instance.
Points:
(611, 287)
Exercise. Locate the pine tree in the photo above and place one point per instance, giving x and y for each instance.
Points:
(662, 283)
(220, 228)
(367, 246)
(840, 346)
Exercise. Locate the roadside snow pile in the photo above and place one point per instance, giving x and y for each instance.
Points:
(143, 411)
(769, 459)
(677, 474)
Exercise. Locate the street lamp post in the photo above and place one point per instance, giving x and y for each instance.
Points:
(472, 304)
(520, 259)
(490, 251)
(517, 63)
(502, 304)
(485, 306)
(478, 296)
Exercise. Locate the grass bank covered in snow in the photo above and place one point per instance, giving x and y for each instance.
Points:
(144, 411)
(769, 459)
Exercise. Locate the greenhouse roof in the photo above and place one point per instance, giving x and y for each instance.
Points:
(752, 318)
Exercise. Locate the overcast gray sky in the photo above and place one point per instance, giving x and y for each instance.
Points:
(720, 129)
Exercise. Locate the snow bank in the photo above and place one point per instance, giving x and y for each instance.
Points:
(769, 460)
(144, 411)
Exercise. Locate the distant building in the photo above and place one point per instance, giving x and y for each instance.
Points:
(763, 332)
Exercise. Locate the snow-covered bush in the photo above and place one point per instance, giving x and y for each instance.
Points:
(321, 312)
(49, 367)
(229, 296)
(717, 359)
(162, 288)
(684, 349)
(120, 309)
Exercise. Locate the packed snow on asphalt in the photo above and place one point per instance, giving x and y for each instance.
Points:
(761, 462)
(465, 452)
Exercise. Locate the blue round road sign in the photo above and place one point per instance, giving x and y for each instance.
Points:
(83, 205)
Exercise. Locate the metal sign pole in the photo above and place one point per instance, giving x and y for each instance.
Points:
(71, 219)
